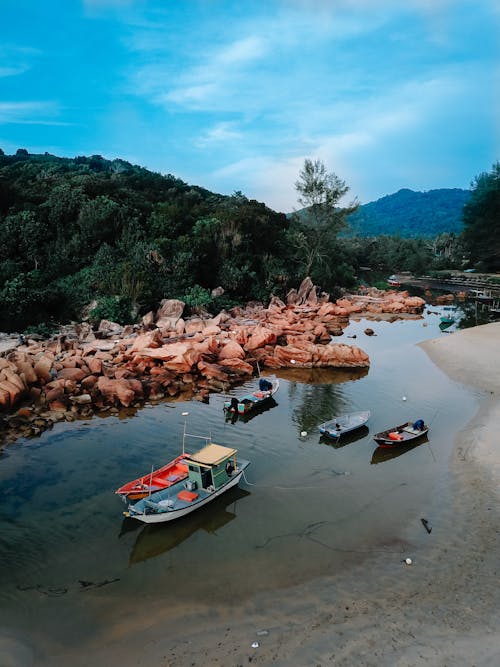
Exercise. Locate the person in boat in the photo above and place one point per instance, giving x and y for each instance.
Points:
(234, 405)
(229, 468)
(265, 385)
(419, 425)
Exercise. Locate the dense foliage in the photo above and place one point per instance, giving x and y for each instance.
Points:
(84, 229)
(115, 238)
(411, 214)
(481, 234)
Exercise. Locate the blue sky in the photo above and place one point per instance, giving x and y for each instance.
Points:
(235, 95)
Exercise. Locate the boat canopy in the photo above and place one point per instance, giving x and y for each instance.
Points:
(211, 455)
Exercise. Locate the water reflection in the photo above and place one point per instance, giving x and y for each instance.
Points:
(321, 375)
(347, 439)
(382, 454)
(318, 394)
(234, 417)
(153, 540)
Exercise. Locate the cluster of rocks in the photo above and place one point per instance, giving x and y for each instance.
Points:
(81, 371)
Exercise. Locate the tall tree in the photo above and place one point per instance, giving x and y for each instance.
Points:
(481, 216)
(321, 218)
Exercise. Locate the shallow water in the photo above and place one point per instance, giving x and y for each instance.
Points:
(69, 560)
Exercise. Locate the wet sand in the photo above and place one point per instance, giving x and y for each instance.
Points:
(443, 609)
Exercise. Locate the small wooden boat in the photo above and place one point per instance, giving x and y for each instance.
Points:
(402, 434)
(345, 423)
(265, 391)
(212, 471)
(174, 471)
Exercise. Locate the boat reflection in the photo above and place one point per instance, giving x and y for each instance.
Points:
(382, 454)
(234, 417)
(346, 439)
(153, 540)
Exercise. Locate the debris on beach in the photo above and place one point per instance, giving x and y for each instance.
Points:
(426, 525)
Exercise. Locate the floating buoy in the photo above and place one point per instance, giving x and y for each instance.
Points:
(408, 561)
(292, 361)
(303, 433)
(404, 398)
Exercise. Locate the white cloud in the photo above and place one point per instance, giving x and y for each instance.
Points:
(28, 113)
(219, 134)
(13, 71)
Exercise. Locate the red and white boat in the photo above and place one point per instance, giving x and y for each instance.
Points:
(157, 480)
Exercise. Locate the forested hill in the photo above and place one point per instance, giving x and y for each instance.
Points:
(83, 229)
(411, 214)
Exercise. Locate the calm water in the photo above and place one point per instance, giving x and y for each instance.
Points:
(69, 560)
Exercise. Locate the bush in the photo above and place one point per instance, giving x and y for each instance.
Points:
(113, 308)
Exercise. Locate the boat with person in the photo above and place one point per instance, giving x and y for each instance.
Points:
(344, 423)
(267, 388)
(212, 471)
(402, 434)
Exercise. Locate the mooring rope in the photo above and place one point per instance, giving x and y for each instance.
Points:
(291, 488)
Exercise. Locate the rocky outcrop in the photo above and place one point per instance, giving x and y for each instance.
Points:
(81, 371)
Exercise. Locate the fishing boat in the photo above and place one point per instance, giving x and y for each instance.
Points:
(212, 471)
(402, 434)
(249, 402)
(338, 426)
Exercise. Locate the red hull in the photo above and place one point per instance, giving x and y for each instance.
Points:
(169, 474)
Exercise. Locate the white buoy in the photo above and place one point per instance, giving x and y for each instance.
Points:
(408, 561)
(404, 398)
(292, 361)
(255, 644)
(303, 433)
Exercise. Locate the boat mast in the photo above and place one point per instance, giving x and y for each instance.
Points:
(184, 414)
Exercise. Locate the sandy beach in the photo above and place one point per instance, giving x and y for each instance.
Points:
(442, 609)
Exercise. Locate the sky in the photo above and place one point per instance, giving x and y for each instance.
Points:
(234, 96)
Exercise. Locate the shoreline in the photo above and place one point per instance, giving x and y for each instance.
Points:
(441, 610)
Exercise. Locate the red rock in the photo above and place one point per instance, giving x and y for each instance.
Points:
(261, 336)
(116, 391)
(75, 374)
(14, 378)
(95, 365)
(231, 350)
(13, 390)
(54, 394)
(26, 369)
(89, 381)
(238, 366)
(212, 371)
(42, 368)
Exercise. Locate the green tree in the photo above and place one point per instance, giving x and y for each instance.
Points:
(481, 235)
(321, 219)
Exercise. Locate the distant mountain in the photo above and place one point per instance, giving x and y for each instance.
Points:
(411, 214)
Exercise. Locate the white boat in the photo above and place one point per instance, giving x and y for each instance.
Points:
(338, 426)
(212, 471)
